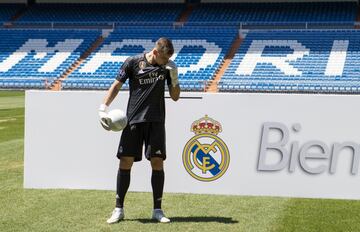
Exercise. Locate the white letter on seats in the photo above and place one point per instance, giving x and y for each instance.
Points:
(105, 53)
(40, 47)
(211, 54)
(254, 56)
(337, 58)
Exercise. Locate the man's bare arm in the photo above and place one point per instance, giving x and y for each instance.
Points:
(174, 92)
(112, 92)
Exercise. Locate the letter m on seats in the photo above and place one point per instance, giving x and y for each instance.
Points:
(60, 52)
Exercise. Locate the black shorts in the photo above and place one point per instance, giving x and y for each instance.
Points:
(150, 134)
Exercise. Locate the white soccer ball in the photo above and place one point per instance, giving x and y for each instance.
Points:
(118, 120)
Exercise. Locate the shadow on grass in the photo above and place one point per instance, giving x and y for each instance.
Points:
(225, 220)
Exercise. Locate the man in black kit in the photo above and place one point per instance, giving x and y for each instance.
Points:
(147, 74)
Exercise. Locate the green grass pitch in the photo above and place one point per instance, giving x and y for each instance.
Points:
(81, 210)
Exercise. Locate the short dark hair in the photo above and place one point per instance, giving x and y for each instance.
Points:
(165, 46)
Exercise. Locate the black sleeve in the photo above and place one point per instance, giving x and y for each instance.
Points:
(125, 71)
(168, 79)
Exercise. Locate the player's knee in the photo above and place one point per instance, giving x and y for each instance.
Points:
(157, 163)
(126, 163)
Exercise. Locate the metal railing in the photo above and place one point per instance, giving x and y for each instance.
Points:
(253, 25)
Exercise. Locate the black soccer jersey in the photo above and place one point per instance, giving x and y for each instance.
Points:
(147, 86)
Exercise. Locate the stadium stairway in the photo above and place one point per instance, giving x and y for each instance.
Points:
(18, 14)
(183, 18)
(213, 85)
(357, 19)
(57, 84)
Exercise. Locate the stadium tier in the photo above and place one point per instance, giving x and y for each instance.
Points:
(198, 54)
(275, 12)
(290, 61)
(151, 12)
(204, 12)
(296, 61)
(282, 60)
(34, 58)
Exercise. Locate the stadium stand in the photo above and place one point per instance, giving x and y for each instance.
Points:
(296, 61)
(275, 12)
(35, 58)
(126, 12)
(199, 51)
(201, 45)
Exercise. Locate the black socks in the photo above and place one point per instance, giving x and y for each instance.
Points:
(122, 185)
(123, 182)
(157, 183)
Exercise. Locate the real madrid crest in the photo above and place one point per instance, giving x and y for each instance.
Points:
(142, 65)
(206, 156)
